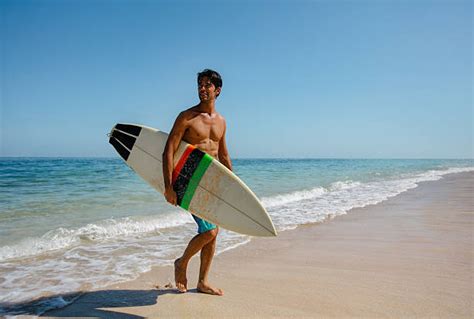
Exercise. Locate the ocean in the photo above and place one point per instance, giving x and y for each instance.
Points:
(72, 224)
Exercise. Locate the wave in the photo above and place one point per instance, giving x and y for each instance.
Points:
(287, 210)
(277, 200)
(315, 205)
(38, 307)
(62, 238)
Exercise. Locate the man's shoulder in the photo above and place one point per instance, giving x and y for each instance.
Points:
(220, 117)
(188, 113)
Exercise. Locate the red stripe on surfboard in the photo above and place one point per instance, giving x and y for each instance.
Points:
(181, 161)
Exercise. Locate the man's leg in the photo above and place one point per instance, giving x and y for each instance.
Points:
(207, 254)
(181, 264)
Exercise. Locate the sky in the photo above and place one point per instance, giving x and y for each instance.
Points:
(301, 79)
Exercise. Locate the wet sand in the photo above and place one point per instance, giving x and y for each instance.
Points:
(408, 257)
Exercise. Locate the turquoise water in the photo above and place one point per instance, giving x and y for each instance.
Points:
(77, 223)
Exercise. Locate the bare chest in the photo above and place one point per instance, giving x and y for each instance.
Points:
(204, 130)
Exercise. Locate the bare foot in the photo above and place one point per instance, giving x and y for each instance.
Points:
(206, 289)
(180, 276)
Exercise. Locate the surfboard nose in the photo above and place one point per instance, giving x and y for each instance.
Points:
(274, 232)
(270, 230)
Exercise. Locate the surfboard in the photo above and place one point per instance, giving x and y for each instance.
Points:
(203, 186)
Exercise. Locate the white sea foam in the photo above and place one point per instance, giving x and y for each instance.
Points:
(91, 265)
(342, 196)
(62, 238)
(343, 185)
(37, 307)
(297, 196)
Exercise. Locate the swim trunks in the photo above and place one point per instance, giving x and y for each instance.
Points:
(203, 225)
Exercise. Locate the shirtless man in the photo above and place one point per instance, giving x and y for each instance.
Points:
(204, 128)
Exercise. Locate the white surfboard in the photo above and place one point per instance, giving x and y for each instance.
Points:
(204, 186)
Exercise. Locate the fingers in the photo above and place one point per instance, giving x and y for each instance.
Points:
(171, 197)
(173, 200)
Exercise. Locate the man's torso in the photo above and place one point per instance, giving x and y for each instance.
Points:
(204, 131)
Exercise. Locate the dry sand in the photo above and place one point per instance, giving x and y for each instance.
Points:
(408, 257)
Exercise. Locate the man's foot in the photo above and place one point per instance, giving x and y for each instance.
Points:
(180, 276)
(206, 289)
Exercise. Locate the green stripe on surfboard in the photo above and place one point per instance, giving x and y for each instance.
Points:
(195, 179)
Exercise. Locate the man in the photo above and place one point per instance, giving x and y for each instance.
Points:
(204, 128)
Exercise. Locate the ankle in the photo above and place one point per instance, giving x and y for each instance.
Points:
(181, 263)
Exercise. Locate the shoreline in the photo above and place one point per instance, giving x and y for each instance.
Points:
(337, 268)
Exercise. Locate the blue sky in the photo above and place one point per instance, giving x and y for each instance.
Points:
(352, 79)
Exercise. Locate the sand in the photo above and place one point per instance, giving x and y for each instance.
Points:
(408, 257)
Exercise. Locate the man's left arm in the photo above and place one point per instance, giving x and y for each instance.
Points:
(224, 157)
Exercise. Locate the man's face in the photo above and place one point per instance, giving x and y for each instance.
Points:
(207, 91)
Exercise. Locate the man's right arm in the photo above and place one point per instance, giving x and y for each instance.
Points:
(174, 138)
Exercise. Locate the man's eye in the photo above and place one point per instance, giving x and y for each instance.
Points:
(207, 85)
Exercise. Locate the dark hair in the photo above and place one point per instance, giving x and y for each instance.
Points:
(213, 76)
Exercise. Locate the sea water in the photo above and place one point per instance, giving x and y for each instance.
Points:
(69, 224)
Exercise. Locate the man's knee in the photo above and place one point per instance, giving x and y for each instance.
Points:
(211, 234)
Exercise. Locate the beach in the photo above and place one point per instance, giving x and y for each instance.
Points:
(410, 256)
(348, 126)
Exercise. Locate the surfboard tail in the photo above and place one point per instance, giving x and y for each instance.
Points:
(123, 138)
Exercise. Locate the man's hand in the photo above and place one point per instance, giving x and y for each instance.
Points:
(171, 196)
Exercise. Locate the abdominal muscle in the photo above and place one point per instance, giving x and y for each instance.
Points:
(207, 145)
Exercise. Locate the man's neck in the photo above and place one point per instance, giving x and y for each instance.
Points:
(207, 107)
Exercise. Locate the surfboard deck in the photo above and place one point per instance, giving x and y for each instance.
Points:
(204, 186)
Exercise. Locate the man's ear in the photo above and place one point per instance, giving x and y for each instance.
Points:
(218, 92)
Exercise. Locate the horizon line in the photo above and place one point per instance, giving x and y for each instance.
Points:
(261, 158)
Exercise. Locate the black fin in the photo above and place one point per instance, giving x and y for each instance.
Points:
(130, 129)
